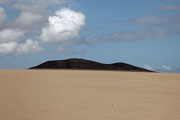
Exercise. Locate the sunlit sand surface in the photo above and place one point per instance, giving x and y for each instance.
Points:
(88, 95)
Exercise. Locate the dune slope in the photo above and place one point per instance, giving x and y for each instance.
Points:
(88, 95)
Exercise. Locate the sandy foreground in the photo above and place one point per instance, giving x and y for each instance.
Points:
(88, 95)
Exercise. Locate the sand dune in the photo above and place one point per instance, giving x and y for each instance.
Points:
(88, 95)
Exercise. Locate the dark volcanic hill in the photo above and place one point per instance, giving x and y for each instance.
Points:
(81, 64)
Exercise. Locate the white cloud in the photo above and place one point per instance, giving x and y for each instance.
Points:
(3, 16)
(10, 35)
(29, 46)
(65, 25)
(148, 67)
(166, 68)
(8, 48)
(33, 21)
(33, 14)
(28, 19)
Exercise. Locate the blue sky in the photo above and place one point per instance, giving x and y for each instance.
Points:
(145, 33)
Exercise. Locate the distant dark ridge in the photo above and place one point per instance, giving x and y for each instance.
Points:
(82, 64)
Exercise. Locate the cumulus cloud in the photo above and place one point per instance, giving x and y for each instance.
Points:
(35, 20)
(34, 17)
(11, 35)
(65, 25)
(3, 16)
(29, 46)
(28, 19)
(11, 38)
(7, 48)
(32, 12)
(148, 67)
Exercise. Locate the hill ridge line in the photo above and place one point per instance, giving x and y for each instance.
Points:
(83, 64)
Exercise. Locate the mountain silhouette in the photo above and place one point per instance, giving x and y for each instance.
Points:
(82, 64)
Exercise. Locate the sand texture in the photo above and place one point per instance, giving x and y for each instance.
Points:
(88, 95)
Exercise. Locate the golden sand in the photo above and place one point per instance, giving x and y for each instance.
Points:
(88, 95)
